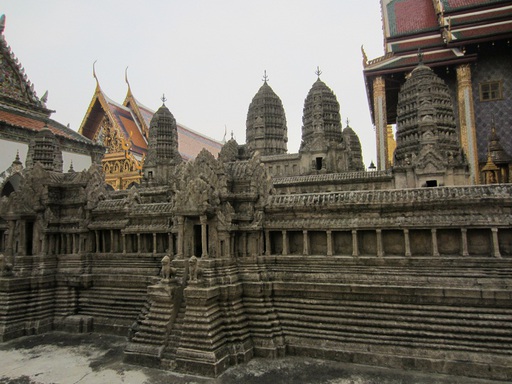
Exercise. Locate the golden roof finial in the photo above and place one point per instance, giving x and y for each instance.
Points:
(126, 76)
(163, 98)
(94, 73)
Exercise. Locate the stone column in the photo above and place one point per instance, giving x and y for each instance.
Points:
(464, 238)
(435, 250)
(112, 246)
(51, 244)
(171, 245)
(495, 243)
(305, 243)
(267, 243)
(204, 239)
(124, 243)
(179, 249)
(154, 243)
(97, 235)
(407, 242)
(43, 244)
(10, 237)
(285, 243)
(329, 243)
(355, 245)
(244, 244)
(379, 107)
(380, 249)
(467, 118)
(139, 244)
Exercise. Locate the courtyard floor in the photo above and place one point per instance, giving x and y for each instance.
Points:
(94, 358)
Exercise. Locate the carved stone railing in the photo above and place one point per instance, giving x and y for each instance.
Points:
(395, 196)
(331, 177)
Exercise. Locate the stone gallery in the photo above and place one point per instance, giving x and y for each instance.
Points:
(263, 253)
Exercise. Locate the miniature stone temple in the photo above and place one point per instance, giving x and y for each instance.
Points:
(262, 253)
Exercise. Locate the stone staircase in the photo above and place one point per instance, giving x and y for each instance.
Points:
(151, 336)
(173, 340)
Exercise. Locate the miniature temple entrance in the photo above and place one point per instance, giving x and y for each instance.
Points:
(195, 236)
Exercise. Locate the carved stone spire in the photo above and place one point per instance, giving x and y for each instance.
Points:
(425, 119)
(162, 144)
(266, 130)
(321, 117)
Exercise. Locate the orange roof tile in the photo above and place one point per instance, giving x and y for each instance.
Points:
(35, 124)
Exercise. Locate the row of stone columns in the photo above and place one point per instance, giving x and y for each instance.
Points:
(101, 236)
(379, 244)
(63, 243)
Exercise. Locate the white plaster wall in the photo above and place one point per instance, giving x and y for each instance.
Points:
(8, 153)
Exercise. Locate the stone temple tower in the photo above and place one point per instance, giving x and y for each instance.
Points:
(163, 154)
(428, 148)
(266, 130)
(321, 117)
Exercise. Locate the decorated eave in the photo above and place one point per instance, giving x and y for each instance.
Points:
(121, 118)
(394, 67)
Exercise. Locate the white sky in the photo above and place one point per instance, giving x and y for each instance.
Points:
(207, 56)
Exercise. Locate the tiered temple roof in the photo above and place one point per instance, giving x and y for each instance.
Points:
(441, 29)
(124, 130)
(20, 107)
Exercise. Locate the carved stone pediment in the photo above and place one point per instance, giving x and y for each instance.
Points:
(429, 161)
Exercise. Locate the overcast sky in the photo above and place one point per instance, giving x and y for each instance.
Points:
(207, 56)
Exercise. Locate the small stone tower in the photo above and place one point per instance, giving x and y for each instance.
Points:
(353, 147)
(45, 149)
(428, 148)
(266, 130)
(163, 154)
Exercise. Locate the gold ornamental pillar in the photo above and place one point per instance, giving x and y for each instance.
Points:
(381, 129)
(467, 119)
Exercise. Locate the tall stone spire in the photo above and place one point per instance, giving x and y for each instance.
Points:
(425, 119)
(428, 152)
(321, 117)
(266, 130)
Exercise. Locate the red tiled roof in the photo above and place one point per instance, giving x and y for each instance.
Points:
(482, 31)
(191, 143)
(450, 5)
(22, 121)
(411, 16)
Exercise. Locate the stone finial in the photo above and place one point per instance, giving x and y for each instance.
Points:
(2, 23)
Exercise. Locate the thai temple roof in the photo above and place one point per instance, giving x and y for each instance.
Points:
(437, 26)
(19, 104)
(133, 119)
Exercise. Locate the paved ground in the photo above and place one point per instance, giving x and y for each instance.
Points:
(93, 358)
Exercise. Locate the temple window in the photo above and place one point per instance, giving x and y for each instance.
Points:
(318, 163)
(431, 183)
(491, 90)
